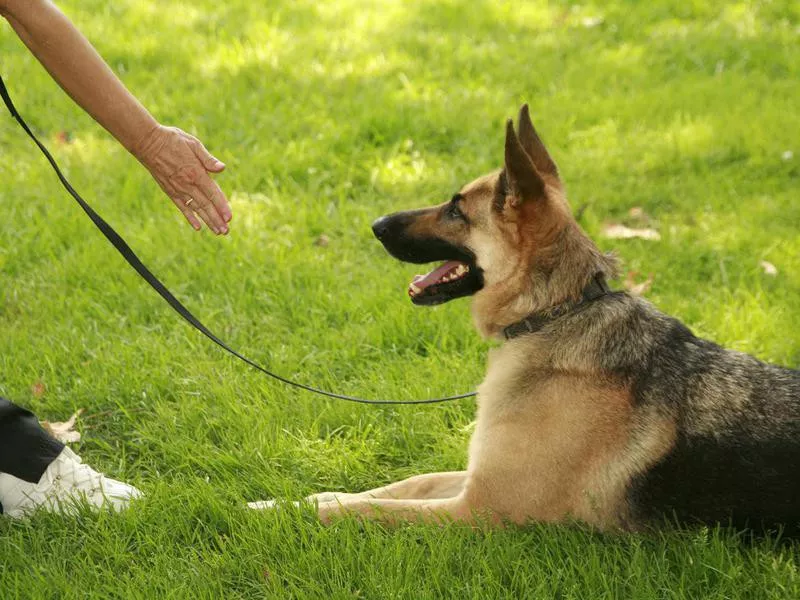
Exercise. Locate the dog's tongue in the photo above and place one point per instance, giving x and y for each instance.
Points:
(423, 281)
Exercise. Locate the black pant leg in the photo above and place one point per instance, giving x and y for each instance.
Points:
(26, 450)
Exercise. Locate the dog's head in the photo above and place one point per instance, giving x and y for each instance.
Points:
(495, 235)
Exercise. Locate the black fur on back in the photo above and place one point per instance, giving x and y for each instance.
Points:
(736, 458)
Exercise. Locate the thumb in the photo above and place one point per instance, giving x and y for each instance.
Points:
(210, 162)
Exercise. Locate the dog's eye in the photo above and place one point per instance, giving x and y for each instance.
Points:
(453, 209)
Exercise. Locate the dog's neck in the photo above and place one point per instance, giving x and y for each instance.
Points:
(595, 289)
(557, 275)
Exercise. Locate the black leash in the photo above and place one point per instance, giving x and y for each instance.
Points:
(122, 246)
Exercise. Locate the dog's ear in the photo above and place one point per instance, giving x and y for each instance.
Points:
(533, 145)
(524, 181)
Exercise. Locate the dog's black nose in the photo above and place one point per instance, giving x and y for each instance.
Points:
(380, 227)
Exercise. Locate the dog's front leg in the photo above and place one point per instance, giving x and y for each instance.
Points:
(430, 498)
(428, 486)
(394, 511)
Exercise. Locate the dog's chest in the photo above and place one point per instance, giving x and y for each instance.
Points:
(547, 443)
(551, 444)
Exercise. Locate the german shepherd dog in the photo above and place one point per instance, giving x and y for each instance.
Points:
(596, 407)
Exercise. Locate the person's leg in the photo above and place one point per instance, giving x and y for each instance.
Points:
(26, 449)
(38, 471)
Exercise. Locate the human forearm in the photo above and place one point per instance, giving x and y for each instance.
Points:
(177, 161)
(79, 70)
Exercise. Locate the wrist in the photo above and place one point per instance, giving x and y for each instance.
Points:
(148, 144)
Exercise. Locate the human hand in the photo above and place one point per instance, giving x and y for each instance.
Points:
(180, 164)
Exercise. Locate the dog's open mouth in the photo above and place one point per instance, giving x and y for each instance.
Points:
(453, 279)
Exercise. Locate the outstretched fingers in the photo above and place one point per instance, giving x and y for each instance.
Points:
(205, 206)
(182, 166)
(184, 204)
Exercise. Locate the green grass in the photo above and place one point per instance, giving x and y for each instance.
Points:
(328, 115)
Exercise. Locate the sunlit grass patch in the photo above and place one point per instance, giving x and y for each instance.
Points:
(330, 114)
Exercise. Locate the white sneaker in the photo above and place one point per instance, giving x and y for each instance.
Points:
(65, 483)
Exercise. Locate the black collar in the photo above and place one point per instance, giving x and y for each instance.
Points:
(596, 288)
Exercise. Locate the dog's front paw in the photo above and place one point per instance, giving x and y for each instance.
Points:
(313, 500)
(323, 497)
(270, 504)
(262, 504)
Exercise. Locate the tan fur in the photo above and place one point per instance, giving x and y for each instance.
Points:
(547, 446)
(581, 438)
(554, 440)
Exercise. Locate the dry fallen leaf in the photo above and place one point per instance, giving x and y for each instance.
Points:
(637, 289)
(63, 432)
(617, 231)
(64, 137)
(769, 268)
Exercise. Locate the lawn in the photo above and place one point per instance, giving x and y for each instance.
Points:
(328, 115)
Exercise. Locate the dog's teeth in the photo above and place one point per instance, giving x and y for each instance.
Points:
(456, 273)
